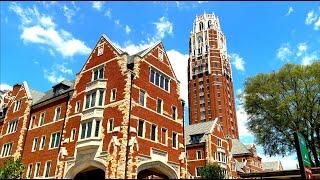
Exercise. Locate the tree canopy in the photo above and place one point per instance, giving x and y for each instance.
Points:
(12, 169)
(282, 102)
(212, 171)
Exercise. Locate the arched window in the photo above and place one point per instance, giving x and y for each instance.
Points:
(209, 24)
(201, 26)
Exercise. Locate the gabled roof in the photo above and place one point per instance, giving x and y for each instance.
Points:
(238, 147)
(198, 128)
(112, 44)
(271, 166)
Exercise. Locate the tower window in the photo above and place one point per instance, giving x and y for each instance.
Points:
(209, 24)
(201, 26)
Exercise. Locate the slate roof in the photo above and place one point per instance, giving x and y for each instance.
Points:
(238, 147)
(36, 96)
(271, 166)
(198, 128)
(239, 166)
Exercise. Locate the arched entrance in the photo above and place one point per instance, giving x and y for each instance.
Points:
(90, 173)
(156, 170)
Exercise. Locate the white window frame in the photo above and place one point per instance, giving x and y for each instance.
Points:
(156, 133)
(166, 142)
(219, 143)
(45, 169)
(113, 92)
(144, 98)
(56, 114)
(177, 138)
(153, 81)
(34, 144)
(33, 118)
(100, 50)
(97, 69)
(161, 109)
(198, 152)
(12, 126)
(37, 169)
(44, 118)
(17, 105)
(143, 128)
(93, 129)
(42, 142)
(109, 122)
(29, 171)
(51, 139)
(73, 134)
(175, 111)
(6, 149)
(77, 107)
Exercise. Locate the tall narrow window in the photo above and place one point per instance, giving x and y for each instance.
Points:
(142, 98)
(199, 155)
(29, 171)
(47, 169)
(110, 125)
(34, 144)
(12, 127)
(77, 109)
(97, 129)
(42, 142)
(164, 135)
(174, 140)
(98, 73)
(32, 121)
(101, 95)
(36, 170)
(57, 114)
(201, 26)
(153, 132)
(73, 134)
(17, 106)
(141, 128)
(157, 78)
(55, 140)
(166, 84)
(198, 170)
(162, 82)
(41, 119)
(152, 75)
(6, 150)
(174, 112)
(159, 106)
(93, 99)
(113, 95)
(86, 130)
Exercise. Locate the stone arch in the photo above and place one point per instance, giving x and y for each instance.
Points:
(159, 167)
(84, 164)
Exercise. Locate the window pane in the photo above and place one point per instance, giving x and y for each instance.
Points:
(101, 97)
(174, 140)
(173, 112)
(153, 132)
(152, 76)
(93, 100)
(159, 105)
(89, 129)
(111, 125)
(161, 81)
(83, 130)
(166, 84)
(140, 128)
(53, 136)
(96, 133)
(57, 140)
(157, 78)
(142, 95)
(95, 75)
(101, 73)
(87, 101)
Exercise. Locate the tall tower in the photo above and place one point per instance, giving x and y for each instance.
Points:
(209, 76)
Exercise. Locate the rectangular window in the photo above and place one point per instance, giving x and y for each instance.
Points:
(198, 170)
(41, 119)
(12, 127)
(29, 171)
(42, 142)
(98, 73)
(101, 93)
(34, 144)
(100, 50)
(6, 150)
(86, 130)
(152, 76)
(32, 121)
(17, 106)
(159, 79)
(57, 113)
(47, 169)
(73, 134)
(97, 129)
(199, 155)
(113, 95)
(142, 98)
(90, 100)
(110, 125)
(77, 109)
(153, 132)
(159, 106)
(164, 135)
(174, 140)
(55, 140)
(36, 170)
(174, 112)
(162, 82)
(166, 84)
(141, 128)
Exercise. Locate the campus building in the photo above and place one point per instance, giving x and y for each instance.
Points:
(122, 117)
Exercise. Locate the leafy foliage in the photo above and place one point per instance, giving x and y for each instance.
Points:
(212, 171)
(279, 103)
(12, 169)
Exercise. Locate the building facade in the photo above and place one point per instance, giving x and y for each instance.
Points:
(122, 117)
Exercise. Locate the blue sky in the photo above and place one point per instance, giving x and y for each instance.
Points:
(46, 42)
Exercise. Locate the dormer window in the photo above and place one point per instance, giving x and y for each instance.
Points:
(195, 139)
(98, 73)
(100, 50)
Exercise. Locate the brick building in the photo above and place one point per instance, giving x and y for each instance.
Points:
(121, 117)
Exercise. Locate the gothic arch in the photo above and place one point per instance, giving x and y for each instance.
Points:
(84, 164)
(159, 166)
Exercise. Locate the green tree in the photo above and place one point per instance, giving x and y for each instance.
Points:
(212, 171)
(279, 103)
(12, 169)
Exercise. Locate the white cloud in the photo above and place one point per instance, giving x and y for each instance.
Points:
(309, 58)
(117, 22)
(68, 13)
(40, 29)
(53, 77)
(284, 52)
(179, 64)
(62, 68)
(200, 2)
(237, 61)
(128, 29)
(311, 17)
(36, 62)
(5, 87)
(108, 13)
(317, 24)
(164, 26)
(302, 47)
(290, 11)
(97, 5)
(242, 116)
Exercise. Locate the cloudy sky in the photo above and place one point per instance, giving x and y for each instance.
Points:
(47, 42)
